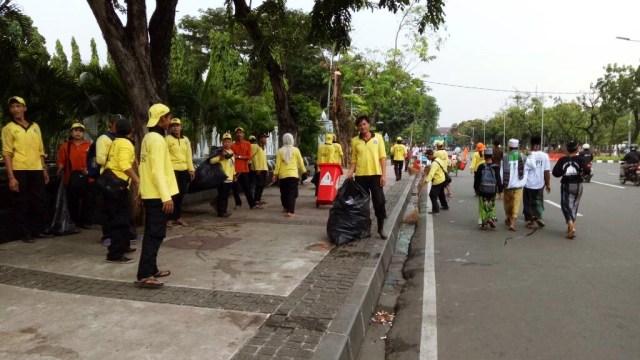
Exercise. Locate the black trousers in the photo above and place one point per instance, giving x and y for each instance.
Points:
(183, 178)
(243, 181)
(437, 193)
(371, 184)
(100, 216)
(397, 168)
(260, 181)
(289, 193)
(30, 202)
(155, 230)
(223, 197)
(119, 214)
(80, 206)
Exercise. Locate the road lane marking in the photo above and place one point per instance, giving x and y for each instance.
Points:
(601, 183)
(557, 205)
(429, 333)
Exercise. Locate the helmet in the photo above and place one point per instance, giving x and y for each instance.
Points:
(633, 147)
(585, 146)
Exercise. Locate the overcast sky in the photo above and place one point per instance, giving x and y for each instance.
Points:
(544, 45)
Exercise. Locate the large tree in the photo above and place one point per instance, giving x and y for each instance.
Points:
(140, 51)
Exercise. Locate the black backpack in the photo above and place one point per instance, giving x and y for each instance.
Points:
(488, 184)
(93, 168)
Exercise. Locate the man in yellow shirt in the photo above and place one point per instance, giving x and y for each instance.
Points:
(398, 152)
(157, 186)
(23, 152)
(102, 149)
(326, 151)
(338, 154)
(369, 165)
(259, 167)
(182, 161)
(226, 161)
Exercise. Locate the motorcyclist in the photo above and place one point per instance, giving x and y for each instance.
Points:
(632, 158)
(586, 153)
(587, 156)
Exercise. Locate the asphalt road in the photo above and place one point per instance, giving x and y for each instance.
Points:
(530, 295)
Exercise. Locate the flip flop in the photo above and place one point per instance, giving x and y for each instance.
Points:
(149, 283)
(181, 222)
(162, 273)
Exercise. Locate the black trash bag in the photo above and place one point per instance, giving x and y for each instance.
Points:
(61, 223)
(208, 176)
(350, 216)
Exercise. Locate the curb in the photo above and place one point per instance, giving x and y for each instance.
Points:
(346, 333)
(606, 161)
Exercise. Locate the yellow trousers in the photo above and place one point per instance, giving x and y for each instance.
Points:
(512, 200)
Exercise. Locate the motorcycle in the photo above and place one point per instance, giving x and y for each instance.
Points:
(630, 172)
(587, 178)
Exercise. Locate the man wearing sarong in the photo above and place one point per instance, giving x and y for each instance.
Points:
(570, 168)
(487, 199)
(513, 180)
(538, 173)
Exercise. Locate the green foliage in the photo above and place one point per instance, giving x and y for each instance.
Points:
(95, 60)
(59, 59)
(76, 58)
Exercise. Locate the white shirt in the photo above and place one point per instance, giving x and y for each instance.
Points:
(535, 166)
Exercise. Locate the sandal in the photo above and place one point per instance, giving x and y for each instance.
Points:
(149, 283)
(259, 207)
(169, 224)
(162, 273)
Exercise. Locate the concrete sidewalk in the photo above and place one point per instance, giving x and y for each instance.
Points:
(256, 285)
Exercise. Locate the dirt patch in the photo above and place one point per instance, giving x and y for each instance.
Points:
(200, 242)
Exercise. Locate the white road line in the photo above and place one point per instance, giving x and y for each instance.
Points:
(557, 205)
(429, 333)
(601, 183)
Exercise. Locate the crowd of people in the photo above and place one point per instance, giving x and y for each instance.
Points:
(520, 180)
(106, 175)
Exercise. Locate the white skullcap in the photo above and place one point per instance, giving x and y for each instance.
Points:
(514, 143)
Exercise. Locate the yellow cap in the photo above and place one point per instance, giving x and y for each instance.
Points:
(328, 138)
(226, 136)
(251, 137)
(156, 111)
(238, 128)
(175, 121)
(18, 99)
(399, 138)
(439, 142)
(77, 125)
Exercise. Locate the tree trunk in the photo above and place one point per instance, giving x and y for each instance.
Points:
(142, 64)
(342, 122)
(636, 129)
(276, 74)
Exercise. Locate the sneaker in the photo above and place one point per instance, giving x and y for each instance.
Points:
(444, 208)
(540, 223)
(130, 250)
(106, 241)
(122, 260)
(225, 215)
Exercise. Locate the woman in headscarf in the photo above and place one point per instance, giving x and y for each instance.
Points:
(570, 168)
(288, 162)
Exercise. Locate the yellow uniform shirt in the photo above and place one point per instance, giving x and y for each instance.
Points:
(121, 157)
(476, 160)
(23, 145)
(326, 154)
(398, 152)
(102, 148)
(284, 170)
(367, 154)
(180, 153)
(338, 154)
(227, 166)
(436, 173)
(258, 158)
(157, 180)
